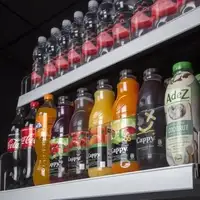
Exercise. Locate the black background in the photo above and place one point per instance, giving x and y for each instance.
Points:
(22, 22)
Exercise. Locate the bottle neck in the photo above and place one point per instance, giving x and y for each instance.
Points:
(82, 102)
(153, 77)
(126, 85)
(48, 103)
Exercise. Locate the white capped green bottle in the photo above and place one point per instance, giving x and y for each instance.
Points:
(198, 78)
(182, 109)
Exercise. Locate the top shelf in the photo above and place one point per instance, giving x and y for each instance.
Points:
(168, 31)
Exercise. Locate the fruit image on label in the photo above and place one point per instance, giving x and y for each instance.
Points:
(99, 151)
(180, 144)
(124, 141)
(78, 152)
(59, 147)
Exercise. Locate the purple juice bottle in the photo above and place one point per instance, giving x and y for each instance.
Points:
(59, 141)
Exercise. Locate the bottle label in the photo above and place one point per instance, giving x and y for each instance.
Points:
(100, 152)
(180, 145)
(28, 137)
(123, 141)
(14, 139)
(78, 152)
(58, 156)
(150, 138)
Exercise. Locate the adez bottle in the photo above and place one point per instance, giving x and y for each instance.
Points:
(38, 63)
(78, 152)
(121, 29)
(27, 155)
(14, 139)
(52, 47)
(89, 48)
(61, 61)
(105, 39)
(59, 141)
(151, 123)
(75, 46)
(142, 20)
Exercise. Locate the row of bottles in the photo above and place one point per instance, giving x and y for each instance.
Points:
(154, 126)
(104, 27)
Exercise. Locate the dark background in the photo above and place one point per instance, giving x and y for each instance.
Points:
(22, 22)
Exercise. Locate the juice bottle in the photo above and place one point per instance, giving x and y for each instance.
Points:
(99, 141)
(151, 123)
(124, 124)
(78, 129)
(59, 141)
(182, 110)
(45, 118)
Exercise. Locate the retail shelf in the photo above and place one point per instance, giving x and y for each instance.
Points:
(168, 179)
(174, 28)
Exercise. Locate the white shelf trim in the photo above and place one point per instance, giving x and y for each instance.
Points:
(149, 181)
(175, 27)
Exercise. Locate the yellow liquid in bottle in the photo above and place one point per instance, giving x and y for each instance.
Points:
(100, 119)
(45, 119)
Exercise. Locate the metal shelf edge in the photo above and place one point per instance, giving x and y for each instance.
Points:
(148, 181)
(175, 27)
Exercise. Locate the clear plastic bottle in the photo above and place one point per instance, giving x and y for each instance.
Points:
(45, 119)
(61, 61)
(38, 63)
(105, 39)
(89, 47)
(121, 29)
(100, 154)
(52, 49)
(78, 150)
(75, 46)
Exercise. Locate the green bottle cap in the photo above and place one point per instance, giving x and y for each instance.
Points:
(184, 65)
(198, 77)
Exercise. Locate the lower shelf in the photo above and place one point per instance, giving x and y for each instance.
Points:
(163, 180)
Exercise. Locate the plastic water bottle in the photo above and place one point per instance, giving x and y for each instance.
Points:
(61, 61)
(38, 63)
(52, 49)
(89, 48)
(75, 46)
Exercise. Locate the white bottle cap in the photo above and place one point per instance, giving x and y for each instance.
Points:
(78, 14)
(42, 39)
(66, 22)
(55, 31)
(92, 5)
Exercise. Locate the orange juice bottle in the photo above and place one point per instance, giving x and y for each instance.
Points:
(100, 160)
(45, 118)
(124, 124)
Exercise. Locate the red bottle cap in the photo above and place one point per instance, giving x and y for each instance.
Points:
(34, 104)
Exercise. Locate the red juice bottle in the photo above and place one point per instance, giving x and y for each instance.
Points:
(78, 150)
